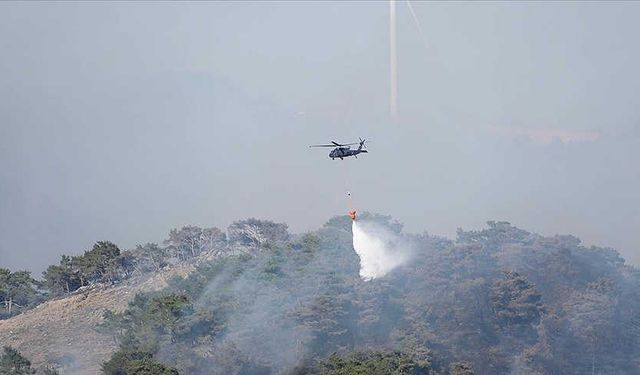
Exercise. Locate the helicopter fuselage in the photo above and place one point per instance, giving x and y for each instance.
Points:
(343, 152)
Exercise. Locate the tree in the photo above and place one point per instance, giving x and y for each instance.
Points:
(262, 311)
(54, 280)
(101, 263)
(151, 257)
(148, 366)
(127, 264)
(17, 288)
(329, 316)
(498, 233)
(254, 232)
(516, 301)
(167, 312)
(79, 268)
(368, 362)
(112, 324)
(13, 363)
(125, 362)
(61, 279)
(212, 239)
(149, 321)
(310, 243)
(592, 313)
(190, 241)
(460, 368)
(5, 277)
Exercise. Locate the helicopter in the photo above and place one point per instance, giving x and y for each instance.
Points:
(343, 150)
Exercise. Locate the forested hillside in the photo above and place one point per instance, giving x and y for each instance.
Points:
(495, 301)
(258, 300)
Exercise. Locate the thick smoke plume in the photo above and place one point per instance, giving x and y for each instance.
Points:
(379, 249)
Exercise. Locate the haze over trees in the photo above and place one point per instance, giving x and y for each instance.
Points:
(106, 264)
(261, 300)
(498, 300)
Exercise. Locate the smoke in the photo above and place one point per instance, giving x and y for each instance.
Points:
(268, 303)
(379, 249)
(287, 303)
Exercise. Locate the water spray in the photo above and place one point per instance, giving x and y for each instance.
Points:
(380, 250)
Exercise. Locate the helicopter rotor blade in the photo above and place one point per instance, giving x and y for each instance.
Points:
(335, 144)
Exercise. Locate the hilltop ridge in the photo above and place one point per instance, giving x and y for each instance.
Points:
(496, 300)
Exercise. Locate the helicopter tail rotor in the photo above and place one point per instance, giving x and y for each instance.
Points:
(362, 146)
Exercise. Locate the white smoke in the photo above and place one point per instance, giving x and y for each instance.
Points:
(379, 249)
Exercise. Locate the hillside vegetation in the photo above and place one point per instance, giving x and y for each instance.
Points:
(258, 300)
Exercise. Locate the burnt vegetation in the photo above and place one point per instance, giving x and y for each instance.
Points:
(495, 301)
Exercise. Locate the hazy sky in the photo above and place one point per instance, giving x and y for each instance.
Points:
(120, 121)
